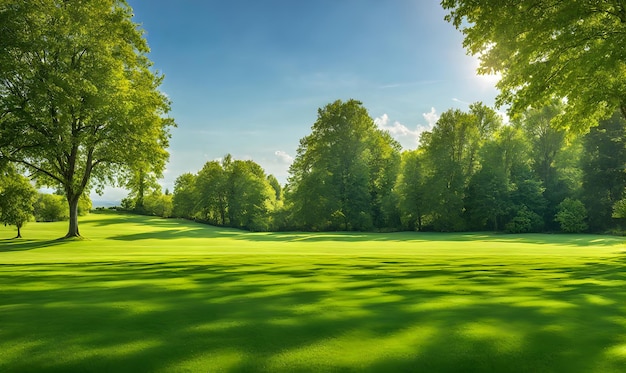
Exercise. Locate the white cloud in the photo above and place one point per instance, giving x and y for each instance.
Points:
(405, 136)
(397, 129)
(284, 157)
(431, 118)
(460, 101)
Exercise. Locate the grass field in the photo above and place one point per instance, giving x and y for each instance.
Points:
(148, 294)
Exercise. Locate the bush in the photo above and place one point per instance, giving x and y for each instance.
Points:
(619, 209)
(158, 204)
(571, 216)
(526, 221)
(51, 207)
(54, 207)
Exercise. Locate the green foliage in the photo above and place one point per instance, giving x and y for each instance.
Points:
(232, 193)
(546, 49)
(79, 101)
(183, 197)
(344, 172)
(411, 190)
(211, 193)
(51, 207)
(451, 155)
(619, 209)
(571, 216)
(140, 182)
(158, 204)
(84, 205)
(525, 221)
(487, 199)
(17, 196)
(604, 179)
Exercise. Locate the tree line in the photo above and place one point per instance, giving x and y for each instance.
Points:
(470, 172)
(80, 108)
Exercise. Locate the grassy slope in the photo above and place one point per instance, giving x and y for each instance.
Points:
(165, 295)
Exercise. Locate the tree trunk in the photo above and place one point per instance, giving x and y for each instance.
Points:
(73, 229)
(19, 232)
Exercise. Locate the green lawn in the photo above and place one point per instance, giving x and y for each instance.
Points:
(148, 294)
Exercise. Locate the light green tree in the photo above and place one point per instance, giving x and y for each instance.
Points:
(211, 194)
(80, 104)
(17, 198)
(183, 198)
(572, 50)
(51, 207)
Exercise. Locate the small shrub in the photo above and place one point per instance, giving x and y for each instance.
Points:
(571, 216)
(526, 221)
(51, 207)
(619, 209)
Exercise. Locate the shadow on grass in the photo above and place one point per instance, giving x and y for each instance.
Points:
(21, 244)
(281, 316)
(177, 229)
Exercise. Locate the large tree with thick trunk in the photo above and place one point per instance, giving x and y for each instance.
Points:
(80, 105)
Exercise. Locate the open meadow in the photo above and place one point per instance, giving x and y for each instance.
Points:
(150, 294)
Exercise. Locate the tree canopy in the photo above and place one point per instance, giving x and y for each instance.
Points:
(470, 172)
(80, 105)
(17, 198)
(573, 50)
(339, 178)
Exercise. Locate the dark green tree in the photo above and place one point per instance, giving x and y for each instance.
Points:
(487, 199)
(604, 171)
(451, 152)
(339, 178)
(571, 216)
(411, 189)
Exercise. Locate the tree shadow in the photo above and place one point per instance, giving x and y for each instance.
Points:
(176, 229)
(21, 244)
(285, 315)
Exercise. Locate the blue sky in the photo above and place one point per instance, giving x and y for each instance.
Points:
(246, 77)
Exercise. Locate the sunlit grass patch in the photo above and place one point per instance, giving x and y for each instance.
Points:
(147, 294)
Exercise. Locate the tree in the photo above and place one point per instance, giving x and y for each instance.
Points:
(487, 198)
(451, 150)
(549, 48)
(158, 204)
(619, 209)
(571, 216)
(384, 165)
(411, 189)
(50, 207)
(17, 197)
(603, 166)
(79, 102)
(211, 194)
(550, 153)
(250, 197)
(339, 178)
(141, 183)
(183, 198)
